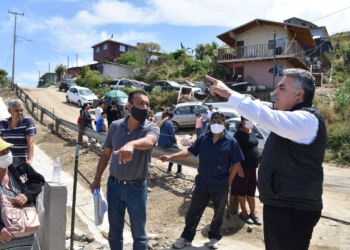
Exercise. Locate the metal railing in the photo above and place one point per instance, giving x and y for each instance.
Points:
(57, 122)
(261, 51)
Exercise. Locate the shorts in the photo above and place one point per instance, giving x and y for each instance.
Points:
(246, 185)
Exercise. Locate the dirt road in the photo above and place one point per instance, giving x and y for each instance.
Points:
(167, 205)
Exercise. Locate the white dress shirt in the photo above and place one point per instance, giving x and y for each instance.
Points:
(298, 126)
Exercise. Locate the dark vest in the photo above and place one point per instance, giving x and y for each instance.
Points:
(291, 174)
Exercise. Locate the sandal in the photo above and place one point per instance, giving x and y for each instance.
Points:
(256, 221)
(246, 219)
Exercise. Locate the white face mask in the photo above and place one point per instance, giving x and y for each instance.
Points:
(216, 128)
(248, 124)
(6, 160)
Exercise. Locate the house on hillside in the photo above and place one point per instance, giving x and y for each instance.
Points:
(46, 78)
(106, 69)
(250, 50)
(319, 34)
(109, 50)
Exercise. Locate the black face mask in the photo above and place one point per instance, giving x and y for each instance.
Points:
(139, 114)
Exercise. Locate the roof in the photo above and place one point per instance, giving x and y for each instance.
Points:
(300, 20)
(44, 75)
(113, 41)
(302, 34)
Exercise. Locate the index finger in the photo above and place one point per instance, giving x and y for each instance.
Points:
(213, 80)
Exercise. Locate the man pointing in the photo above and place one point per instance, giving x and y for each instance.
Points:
(290, 175)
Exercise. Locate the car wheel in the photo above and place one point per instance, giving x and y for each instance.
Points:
(79, 103)
(67, 99)
(176, 126)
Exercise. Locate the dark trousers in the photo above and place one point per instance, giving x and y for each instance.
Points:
(288, 228)
(199, 202)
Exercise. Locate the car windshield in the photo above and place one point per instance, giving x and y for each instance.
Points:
(174, 84)
(122, 99)
(71, 81)
(263, 130)
(85, 92)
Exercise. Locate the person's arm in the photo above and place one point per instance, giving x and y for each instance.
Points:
(299, 126)
(101, 166)
(177, 156)
(30, 148)
(233, 172)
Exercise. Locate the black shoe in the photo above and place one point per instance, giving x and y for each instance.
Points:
(246, 219)
(256, 221)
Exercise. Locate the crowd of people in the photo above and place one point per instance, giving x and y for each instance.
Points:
(290, 185)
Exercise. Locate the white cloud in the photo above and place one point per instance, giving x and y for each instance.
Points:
(27, 79)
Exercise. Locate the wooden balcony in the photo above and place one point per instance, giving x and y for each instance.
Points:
(291, 51)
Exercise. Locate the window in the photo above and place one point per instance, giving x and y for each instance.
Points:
(270, 44)
(183, 111)
(121, 48)
(200, 109)
(232, 126)
(130, 49)
(97, 49)
(105, 46)
(279, 69)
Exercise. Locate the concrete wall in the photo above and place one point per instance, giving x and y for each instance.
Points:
(116, 71)
(52, 233)
(262, 35)
(259, 71)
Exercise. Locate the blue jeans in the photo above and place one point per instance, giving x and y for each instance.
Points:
(199, 131)
(133, 198)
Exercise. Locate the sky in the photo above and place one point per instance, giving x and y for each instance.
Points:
(53, 32)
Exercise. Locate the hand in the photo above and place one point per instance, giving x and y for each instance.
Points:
(95, 185)
(29, 161)
(164, 158)
(5, 235)
(240, 172)
(218, 87)
(20, 200)
(125, 153)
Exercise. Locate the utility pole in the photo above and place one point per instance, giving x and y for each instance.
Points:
(49, 73)
(14, 47)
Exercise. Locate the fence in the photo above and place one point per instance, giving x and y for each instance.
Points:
(57, 122)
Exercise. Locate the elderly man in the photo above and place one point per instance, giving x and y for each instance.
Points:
(290, 174)
(219, 157)
(131, 141)
(19, 130)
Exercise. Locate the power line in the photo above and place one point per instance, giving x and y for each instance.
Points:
(331, 14)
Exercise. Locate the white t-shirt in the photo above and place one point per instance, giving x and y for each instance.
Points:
(98, 112)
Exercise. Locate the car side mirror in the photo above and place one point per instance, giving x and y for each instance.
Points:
(259, 136)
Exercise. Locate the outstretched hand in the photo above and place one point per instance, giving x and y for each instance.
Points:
(125, 153)
(218, 87)
(164, 158)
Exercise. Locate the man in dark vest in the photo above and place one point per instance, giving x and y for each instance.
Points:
(290, 175)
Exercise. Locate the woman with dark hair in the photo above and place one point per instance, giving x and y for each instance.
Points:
(112, 113)
(87, 121)
(244, 185)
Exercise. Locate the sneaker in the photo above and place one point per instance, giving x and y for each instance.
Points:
(213, 243)
(180, 175)
(98, 145)
(181, 242)
(170, 173)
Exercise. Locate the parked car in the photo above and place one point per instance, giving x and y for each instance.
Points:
(119, 84)
(66, 84)
(268, 104)
(80, 95)
(185, 114)
(261, 133)
(164, 84)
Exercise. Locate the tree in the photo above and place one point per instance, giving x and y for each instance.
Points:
(206, 50)
(59, 70)
(3, 78)
(148, 49)
(131, 58)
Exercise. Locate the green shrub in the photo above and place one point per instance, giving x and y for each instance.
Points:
(339, 141)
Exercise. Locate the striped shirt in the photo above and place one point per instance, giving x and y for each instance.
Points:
(18, 135)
